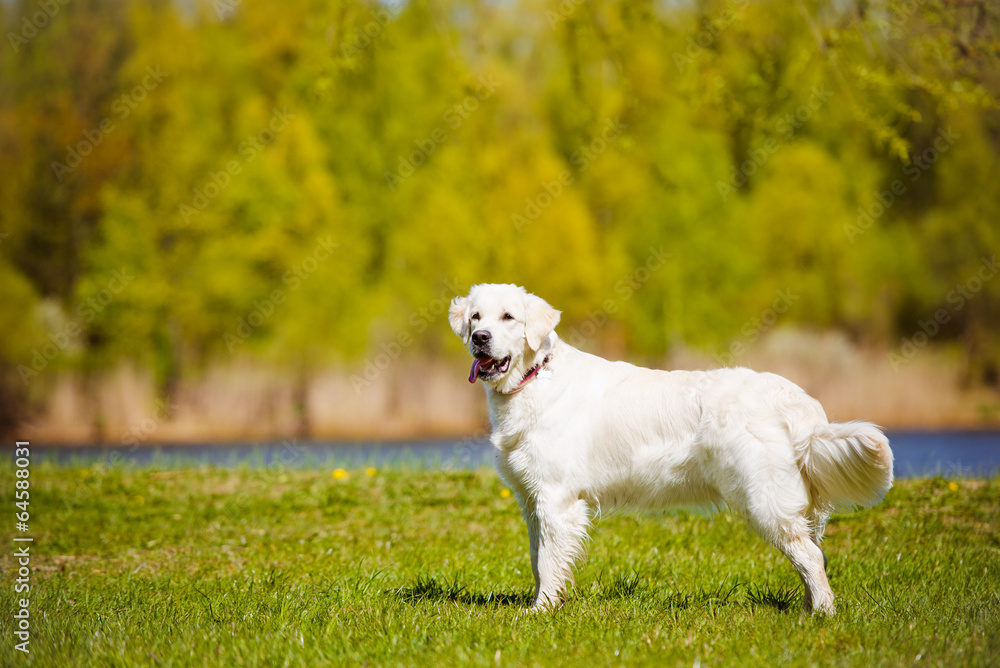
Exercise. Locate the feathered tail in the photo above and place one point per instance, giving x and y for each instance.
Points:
(847, 464)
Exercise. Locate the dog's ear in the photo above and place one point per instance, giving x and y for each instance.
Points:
(458, 317)
(539, 321)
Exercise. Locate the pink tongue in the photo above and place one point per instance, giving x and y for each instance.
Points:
(475, 371)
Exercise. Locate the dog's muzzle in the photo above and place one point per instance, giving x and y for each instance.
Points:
(485, 366)
(488, 368)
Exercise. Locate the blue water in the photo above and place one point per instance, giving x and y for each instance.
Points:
(917, 454)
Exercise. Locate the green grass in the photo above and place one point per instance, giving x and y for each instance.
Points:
(212, 566)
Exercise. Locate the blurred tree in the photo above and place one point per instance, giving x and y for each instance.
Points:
(300, 184)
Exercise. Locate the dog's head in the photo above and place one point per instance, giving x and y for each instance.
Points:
(505, 328)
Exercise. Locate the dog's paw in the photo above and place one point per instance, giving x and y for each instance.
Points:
(546, 604)
(824, 608)
(824, 611)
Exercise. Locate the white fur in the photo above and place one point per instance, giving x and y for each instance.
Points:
(600, 435)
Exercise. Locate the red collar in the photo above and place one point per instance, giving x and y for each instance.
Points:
(531, 374)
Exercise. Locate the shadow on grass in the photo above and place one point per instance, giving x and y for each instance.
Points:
(427, 588)
(636, 585)
(782, 599)
(622, 586)
(722, 595)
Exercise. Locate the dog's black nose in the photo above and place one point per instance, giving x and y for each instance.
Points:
(481, 337)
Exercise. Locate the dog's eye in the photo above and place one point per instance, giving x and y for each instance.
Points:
(508, 316)
(475, 316)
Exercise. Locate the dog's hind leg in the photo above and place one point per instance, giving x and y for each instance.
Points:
(561, 531)
(793, 537)
(799, 545)
(789, 529)
(776, 503)
(810, 562)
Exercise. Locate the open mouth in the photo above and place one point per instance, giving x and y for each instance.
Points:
(488, 367)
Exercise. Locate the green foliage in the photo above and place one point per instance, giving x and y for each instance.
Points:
(437, 145)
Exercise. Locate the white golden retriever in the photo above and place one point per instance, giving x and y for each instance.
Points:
(576, 434)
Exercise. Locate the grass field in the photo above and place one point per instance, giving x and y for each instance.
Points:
(213, 566)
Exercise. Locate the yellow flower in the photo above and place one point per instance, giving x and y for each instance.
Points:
(953, 486)
(340, 474)
(370, 472)
(505, 493)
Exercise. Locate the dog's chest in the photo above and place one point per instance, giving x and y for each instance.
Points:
(519, 433)
(518, 466)
(513, 417)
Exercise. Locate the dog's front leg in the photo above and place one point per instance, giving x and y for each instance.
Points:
(556, 542)
(534, 538)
